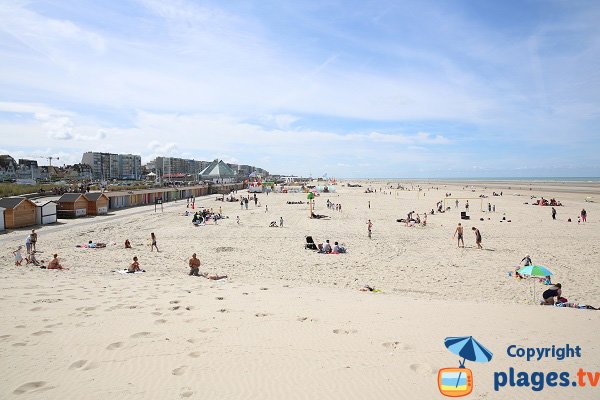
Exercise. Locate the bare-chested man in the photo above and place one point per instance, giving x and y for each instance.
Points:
(459, 232)
(194, 265)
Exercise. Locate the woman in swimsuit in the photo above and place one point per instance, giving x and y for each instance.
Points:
(550, 294)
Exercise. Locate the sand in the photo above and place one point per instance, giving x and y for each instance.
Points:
(291, 323)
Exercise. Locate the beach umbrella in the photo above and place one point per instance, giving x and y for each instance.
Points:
(536, 271)
(469, 349)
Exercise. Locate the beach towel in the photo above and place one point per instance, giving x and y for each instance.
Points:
(124, 271)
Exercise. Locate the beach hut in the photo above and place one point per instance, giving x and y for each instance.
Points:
(1, 219)
(19, 212)
(45, 213)
(72, 205)
(97, 203)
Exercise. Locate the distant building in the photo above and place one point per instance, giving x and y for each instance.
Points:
(8, 167)
(173, 166)
(106, 166)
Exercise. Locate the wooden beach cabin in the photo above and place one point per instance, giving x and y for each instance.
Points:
(45, 213)
(72, 205)
(18, 212)
(97, 203)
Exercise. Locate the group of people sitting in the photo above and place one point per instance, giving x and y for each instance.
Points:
(546, 202)
(325, 247)
(415, 220)
(200, 217)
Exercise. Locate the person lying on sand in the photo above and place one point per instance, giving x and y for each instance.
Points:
(54, 263)
(134, 266)
(368, 288)
(212, 277)
(550, 294)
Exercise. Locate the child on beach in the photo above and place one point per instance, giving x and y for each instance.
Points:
(134, 266)
(153, 245)
(18, 256)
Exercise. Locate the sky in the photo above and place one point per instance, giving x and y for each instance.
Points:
(381, 89)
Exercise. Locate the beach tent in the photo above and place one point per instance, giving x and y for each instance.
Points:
(97, 203)
(19, 212)
(72, 205)
(45, 213)
(1, 219)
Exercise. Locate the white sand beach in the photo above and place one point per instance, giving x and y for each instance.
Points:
(290, 323)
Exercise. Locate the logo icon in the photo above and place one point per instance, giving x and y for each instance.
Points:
(458, 382)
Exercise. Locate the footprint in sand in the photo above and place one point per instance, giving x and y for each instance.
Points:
(175, 308)
(36, 309)
(85, 365)
(186, 394)
(3, 337)
(174, 302)
(114, 346)
(40, 333)
(31, 387)
(223, 310)
(219, 298)
(179, 371)
(20, 326)
(189, 308)
(422, 369)
(53, 325)
(195, 354)
(158, 314)
(160, 321)
(397, 346)
(261, 315)
(140, 335)
(344, 331)
(264, 288)
(19, 344)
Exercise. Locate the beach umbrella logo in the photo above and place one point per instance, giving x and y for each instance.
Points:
(458, 382)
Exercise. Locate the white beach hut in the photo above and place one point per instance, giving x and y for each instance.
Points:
(1, 219)
(45, 213)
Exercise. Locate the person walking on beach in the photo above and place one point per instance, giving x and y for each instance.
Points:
(460, 233)
(455, 203)
(34, 238)
(467, 206)
(28, 244)
(281, 222)
(194, 264)
(241, 204)
(477, 237)
(369, 204)
(238, 219)
(553, 213)
(583, 216)
(153, 245)
(369, 227)
(266, 208)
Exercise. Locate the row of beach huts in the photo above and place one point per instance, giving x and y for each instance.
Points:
(20, 212)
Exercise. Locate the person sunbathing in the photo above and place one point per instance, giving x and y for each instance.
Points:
(134, 266)
(212, 277)
(54, 263)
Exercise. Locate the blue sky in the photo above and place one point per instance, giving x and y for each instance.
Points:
(347, 88)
